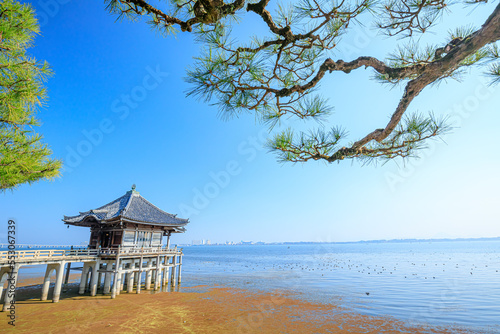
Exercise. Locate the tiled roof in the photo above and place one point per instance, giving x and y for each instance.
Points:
(131, 206)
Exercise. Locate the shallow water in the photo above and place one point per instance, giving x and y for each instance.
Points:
(437, 283)
(432, 283)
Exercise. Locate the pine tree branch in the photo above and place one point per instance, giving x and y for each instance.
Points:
(274, 77)
(489, 33)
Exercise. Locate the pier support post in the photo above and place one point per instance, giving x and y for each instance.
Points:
(99, 281)
(123, 280)
(12, 279)
(59, 281)
(147, 284)
(172, 273)
(83, 278)
(167, 274)
(139, 282)
(157, 273)
(4, 275)
(68, 269)
(157, 279)
(179, 270)
(139, 277)
(46, 282)
(148, 276)
(117, 283)
(93, 282)
(130, 282)
(107, 283)
(107, 278)
(136, 277)
(163, 273)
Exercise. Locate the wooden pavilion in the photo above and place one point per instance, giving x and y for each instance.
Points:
(126, 243)
(128, 221)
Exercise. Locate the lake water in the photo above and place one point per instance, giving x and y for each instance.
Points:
(437, 283)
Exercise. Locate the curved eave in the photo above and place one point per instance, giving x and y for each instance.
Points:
(178, 230)
(80, 223)
(92, 219)
(86, 221)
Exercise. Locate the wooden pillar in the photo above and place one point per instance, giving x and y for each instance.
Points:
(122, 282)
(12, 282)
(139, 283)
(139, 277)
(117, 279)
(166, 274)
(99, 281)
(148, 275)
(46, 282)
(136, 277)
(119, 287)
(162, 268)
(59, 281)
(157, 273)
(125, 280)
(168, 271)
(130, 282)
(83, 278)
(93, 282)
(87, 280)
(3, 272)
(107, 283)
(172, 273)
(179, 270)
(107, 277)
(147, 285)
(68, 269)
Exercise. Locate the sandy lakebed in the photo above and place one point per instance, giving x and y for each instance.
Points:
(198, 309)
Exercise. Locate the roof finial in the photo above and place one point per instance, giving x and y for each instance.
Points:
(133, 191)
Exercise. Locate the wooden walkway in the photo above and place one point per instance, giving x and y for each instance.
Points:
(29, 246)
(111, 269)
(42, 256)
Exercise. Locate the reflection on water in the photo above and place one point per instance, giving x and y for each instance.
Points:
(440, 283)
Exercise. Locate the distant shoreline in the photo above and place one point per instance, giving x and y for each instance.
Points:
(259, 243)
(250, 243)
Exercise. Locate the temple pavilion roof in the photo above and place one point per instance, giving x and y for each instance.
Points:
(131, 207)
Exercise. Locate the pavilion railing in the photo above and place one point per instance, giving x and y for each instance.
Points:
(60, 254)
(140, 250)
(39, 254)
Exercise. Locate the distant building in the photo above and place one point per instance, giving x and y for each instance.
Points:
(200, 242)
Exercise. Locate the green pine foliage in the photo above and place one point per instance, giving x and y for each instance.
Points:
(276, 75)
(23, 156)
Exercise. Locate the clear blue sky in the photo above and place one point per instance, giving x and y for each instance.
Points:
(118, 115)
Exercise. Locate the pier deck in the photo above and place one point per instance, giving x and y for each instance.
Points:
(111, 269)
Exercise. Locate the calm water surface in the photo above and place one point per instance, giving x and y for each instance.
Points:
(438, 283)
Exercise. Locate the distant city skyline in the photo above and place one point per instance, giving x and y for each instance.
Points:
(118, 115)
